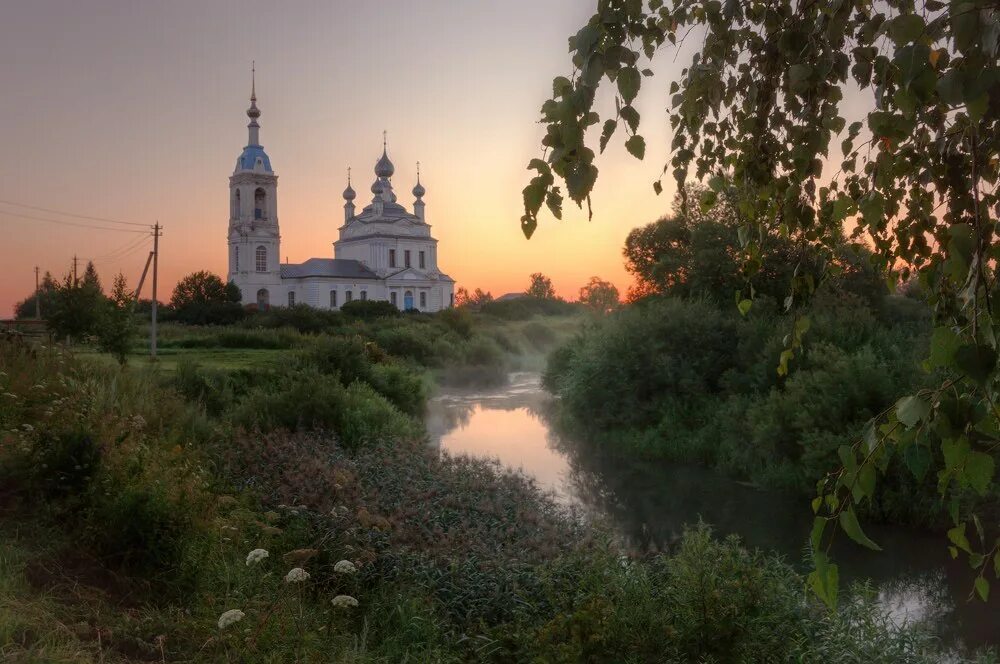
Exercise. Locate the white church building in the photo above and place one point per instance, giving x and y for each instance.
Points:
(382, 252)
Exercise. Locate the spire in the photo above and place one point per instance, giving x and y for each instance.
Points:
(384, 167)
(253, 112)
(349, 193)
(419, 190)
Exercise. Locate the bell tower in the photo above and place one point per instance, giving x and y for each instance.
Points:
(254, 239)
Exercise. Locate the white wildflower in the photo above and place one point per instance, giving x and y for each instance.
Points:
(256, 556)
(344, 601)
(345, 567)
(230, 617)
(28, 427)
(296, 575)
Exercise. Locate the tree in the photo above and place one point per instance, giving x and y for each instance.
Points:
(600, 296)
(461, 296)
(203, 287)
(480, 297)
(540, 287)
(75, 308)
(116, 324)
(91, 279)
(46, 294)
(202, 298)
(755, 115)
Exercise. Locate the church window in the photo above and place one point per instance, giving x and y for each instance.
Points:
(236, 259)
(406, 258)
(364, 295)
(262, 258)
(291, 298)
(422, 264)
(423, 300)
(236, 205)
(263, 299)
(407, 300)
(451, 300)
(349, 296)
(259, 203)
(392, 258)
(333, 299)
(392, 298)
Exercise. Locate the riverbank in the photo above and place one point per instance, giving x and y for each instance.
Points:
(135, 518)
(688, 380)
(647, 504)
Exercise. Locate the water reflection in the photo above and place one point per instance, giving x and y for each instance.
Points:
(648, 505)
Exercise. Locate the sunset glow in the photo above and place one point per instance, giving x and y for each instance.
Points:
(139, 115)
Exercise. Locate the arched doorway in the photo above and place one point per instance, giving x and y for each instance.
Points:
(407, 300)
(263, 299)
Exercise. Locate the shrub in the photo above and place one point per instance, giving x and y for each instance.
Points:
(400, 385)
(308, 400)
(522, 308)
(684, 380)
(138, 527)
(369, 309)
(302, 317)
(457, 320)
(409, 342)
(64, 463)
(210, 313)
(539, 335)
(347, 357)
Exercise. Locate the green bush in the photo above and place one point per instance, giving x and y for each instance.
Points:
(457, 320)
(138, 527)
(205, 313)
(401, 386)
(522, 308)
(369, 309)
(539, 335)
(64, 463)
(308, 400)
(347, 357)
(410, 342)
(686, 380)
(302, 317)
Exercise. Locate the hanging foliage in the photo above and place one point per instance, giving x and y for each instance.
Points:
(909, 165)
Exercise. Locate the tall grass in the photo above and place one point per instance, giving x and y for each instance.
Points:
(451, 559)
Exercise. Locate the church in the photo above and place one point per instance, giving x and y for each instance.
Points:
(383, 252)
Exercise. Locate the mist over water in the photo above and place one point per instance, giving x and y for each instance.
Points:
(648, 503)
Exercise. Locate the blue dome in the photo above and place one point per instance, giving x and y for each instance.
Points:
(248, 160)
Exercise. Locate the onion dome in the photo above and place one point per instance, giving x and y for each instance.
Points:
(349, 194)
(377, 187)
(419, 190)
(384, 167)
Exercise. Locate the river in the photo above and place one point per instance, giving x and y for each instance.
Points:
(648, 504)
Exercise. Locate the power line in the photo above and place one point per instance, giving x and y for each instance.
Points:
(69, 223)
(121, 251)
(70, 214)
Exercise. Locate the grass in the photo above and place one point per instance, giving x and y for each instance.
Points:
(168, 359)
(128, 510)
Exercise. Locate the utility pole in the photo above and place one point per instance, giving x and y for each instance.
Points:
(38, 297)
(156, 256)
(74, 270)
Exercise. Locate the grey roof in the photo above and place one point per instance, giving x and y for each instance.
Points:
(341, 268)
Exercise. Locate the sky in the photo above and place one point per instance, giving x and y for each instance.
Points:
(135, 111)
